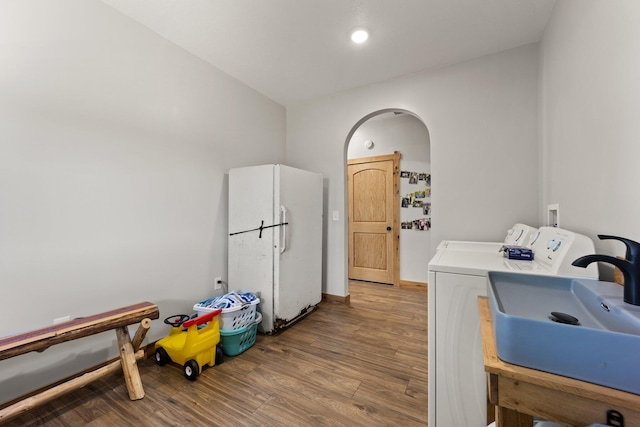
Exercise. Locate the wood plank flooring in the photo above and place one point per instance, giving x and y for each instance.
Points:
(359, 365)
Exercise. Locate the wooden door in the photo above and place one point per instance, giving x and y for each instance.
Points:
(373, 193)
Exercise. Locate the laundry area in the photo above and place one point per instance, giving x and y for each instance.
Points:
(193, 221)
(528, 270)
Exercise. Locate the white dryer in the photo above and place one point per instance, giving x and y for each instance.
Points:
(519, 234)
(457, 381)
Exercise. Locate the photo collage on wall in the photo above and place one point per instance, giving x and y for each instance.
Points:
(420, 199)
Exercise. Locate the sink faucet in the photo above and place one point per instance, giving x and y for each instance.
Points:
(630, 266)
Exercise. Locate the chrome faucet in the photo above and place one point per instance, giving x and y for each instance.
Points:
(630, 266)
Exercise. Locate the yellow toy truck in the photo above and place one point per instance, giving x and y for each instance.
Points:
(189, 345)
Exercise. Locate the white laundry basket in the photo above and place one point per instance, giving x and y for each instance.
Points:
(235, 317)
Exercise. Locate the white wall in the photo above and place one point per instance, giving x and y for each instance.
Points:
(590, 136)
(114, 147)
(407, 135)
(482, 121)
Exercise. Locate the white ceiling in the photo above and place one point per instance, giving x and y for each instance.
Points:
(296, 50)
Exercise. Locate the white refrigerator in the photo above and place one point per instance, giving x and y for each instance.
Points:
(275, 240)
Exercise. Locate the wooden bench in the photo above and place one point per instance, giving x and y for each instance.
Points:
(41, 339)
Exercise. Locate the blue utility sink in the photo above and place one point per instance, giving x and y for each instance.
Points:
(602, 348)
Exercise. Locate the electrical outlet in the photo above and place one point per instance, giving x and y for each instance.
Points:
(217, 283)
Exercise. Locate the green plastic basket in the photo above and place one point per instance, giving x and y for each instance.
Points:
(235, 341)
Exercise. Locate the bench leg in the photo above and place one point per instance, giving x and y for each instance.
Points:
(23, 406)
(129, 365)
(140, 334)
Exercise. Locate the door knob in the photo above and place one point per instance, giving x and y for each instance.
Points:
(388, 228)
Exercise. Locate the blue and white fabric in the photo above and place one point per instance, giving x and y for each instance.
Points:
(231, 299)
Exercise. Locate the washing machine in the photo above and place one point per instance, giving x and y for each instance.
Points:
(518, 235)
(457, 277)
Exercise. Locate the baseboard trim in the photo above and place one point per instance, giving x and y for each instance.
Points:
(336, 299)
(410, 284)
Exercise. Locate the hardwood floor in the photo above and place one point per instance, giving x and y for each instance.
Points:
(358, 365)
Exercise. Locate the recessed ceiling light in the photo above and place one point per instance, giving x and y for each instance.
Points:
(359, 36)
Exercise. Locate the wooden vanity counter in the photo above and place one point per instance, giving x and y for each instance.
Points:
(519, 393)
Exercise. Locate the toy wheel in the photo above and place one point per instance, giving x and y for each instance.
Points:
(219, 355)
(177, 320)
(161, 356)
(191, 370)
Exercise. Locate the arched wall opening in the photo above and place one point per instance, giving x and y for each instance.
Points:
(398, 130)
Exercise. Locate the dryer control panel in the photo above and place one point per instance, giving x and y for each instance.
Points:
(556, 248)
(519, 234)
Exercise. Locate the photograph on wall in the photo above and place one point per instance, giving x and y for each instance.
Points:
(408, 225)
(428, 179)
(405, 202)
(422, 177)
(405, 174)
(423, 224)
(413, 178)
(426, 209)
(417, 203)
(420, 194)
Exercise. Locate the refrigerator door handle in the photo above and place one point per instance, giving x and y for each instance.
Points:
(283, 230)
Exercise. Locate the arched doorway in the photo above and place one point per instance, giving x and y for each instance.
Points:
(384, 133)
